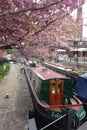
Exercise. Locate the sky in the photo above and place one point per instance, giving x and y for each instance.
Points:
(36, 1)
(74, 14)
(85, 20)
(84, 12)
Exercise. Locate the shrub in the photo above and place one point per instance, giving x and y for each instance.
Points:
(4, 70)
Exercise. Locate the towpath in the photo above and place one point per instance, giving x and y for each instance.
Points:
(14, 110)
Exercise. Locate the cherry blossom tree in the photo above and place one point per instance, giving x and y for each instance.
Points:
(26, 23)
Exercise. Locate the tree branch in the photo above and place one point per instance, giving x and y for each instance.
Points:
(7, 46)
(43, 28)
(31, 9)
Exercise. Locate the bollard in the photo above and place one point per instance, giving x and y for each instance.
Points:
(22, 70)
(7, 95)
(72, 121)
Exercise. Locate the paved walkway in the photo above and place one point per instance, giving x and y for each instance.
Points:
(14, 110)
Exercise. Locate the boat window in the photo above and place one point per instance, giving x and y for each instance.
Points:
(53, 88)
(59, 87)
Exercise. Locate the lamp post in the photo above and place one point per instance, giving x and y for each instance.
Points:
(76, 55)
(84, 52)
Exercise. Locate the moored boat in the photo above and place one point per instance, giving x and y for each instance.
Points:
(81, 89)
(53, 97)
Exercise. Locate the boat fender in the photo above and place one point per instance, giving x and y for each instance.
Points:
(73, 124)
(72, 120)
(77, 122)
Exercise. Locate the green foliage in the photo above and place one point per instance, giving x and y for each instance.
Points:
(4, 70)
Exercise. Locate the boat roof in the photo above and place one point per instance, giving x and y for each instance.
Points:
(45, 73)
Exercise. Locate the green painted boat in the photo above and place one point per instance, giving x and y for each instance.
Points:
(52, 96)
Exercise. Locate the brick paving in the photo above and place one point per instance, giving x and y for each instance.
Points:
(14, 110)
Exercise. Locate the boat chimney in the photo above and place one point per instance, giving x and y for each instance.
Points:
(44, 69)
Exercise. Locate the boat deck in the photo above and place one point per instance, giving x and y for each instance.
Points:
(46, 73)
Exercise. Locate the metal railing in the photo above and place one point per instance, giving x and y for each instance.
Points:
(53, 122)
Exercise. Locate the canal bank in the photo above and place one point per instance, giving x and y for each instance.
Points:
(15, 100)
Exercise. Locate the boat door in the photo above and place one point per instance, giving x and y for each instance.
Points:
(56, 92)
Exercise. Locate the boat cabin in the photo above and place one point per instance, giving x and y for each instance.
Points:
(51, 87)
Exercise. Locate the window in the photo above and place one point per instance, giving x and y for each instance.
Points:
(53, 88)
(59, 87)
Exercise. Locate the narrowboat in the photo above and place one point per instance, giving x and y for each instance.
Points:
(81, 88)
(53, 97)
